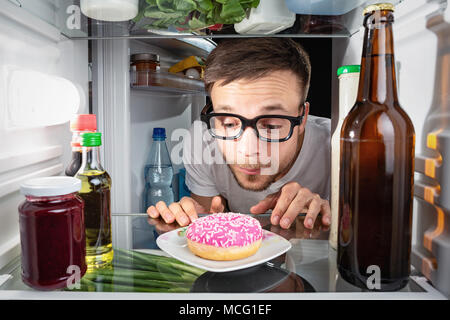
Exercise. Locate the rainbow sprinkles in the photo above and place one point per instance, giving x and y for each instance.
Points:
(225, 230)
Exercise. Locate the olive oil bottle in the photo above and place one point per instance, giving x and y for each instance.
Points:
(96, 193)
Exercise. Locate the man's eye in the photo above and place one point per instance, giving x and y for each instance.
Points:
(229, 123)
(271, 127)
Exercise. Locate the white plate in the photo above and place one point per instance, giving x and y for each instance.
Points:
(175, 244)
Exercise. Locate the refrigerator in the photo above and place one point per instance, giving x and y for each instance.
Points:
(55, 61)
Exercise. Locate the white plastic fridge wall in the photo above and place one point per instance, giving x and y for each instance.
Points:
(31, 44)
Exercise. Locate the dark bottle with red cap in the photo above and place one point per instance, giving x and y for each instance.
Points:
(81, 123)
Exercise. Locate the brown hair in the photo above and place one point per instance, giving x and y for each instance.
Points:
(253, 58)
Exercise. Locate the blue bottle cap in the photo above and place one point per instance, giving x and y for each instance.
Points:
(159, 133)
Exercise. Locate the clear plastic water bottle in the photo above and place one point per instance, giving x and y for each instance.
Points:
(158, 172)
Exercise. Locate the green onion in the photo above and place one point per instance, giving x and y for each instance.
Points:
(133, 271)
(145, 275)
(166, 261)
(136, 282)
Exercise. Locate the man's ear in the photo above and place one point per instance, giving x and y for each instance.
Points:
(305, 114)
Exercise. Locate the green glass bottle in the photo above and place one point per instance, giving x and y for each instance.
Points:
(96, 193)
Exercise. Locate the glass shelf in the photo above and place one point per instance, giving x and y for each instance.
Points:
(305, 26)
(308, 267)
(70, 20)
(165, 82)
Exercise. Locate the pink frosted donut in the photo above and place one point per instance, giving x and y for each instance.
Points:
(224, 236)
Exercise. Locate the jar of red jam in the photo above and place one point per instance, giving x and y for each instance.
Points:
(52, 233)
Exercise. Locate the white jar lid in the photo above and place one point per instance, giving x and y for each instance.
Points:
(50, 186)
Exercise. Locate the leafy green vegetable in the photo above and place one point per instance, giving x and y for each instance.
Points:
(133, 271)
(194, 14)
(204, 6)
(185, 5)
(232, 11)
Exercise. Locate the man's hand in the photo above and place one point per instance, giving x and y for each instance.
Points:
(185, 211)
(292, 200)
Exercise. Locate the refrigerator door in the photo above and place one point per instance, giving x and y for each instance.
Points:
(422, 41)
(43, 81)
(431, 253)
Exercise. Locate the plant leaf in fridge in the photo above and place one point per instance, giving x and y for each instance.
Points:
(195, 14)
(165, 5)
(185, 5)
(232, 12)
(155, 13)
(198, 23)
(204, 6)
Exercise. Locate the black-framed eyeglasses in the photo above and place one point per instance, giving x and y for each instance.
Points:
(269, 128)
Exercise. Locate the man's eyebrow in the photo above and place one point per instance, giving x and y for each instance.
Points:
(268, 108)
(274, 107)
(222, 108)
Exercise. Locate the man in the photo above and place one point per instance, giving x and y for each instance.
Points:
(276, 156)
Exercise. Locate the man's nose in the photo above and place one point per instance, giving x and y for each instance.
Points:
(248, 144)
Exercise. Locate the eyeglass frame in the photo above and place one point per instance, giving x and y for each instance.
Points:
(206, 115)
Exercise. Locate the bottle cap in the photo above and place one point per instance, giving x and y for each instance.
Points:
(50, 186)
(84, 122)
(159, 133)
(91, 139)
(378, 7)
(354, 68)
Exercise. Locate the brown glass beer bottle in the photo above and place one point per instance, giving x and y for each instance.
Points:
(376, 169)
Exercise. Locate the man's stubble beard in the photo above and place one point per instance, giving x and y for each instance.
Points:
(272, 178)
(252, 179)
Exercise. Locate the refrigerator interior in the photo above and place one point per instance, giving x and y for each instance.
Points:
(34, 38)
(176, 111)
(148, 110)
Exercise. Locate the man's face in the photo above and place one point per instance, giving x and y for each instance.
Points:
(251, 160)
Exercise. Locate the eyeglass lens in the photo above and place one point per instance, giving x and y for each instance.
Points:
(269, 128)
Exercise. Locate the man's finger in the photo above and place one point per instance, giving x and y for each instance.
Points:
(297, 205)
(180, 215)
(315, 207)
(216, 205)
(165, 212)
(198, 207)
(283, 203)
(326, 213)
(267, 203)
(152, 212)
(188, 206)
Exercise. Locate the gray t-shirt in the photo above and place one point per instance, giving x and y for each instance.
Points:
(206, 177)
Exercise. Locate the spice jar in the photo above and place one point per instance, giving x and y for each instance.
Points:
(143, 66)
(52, 233)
